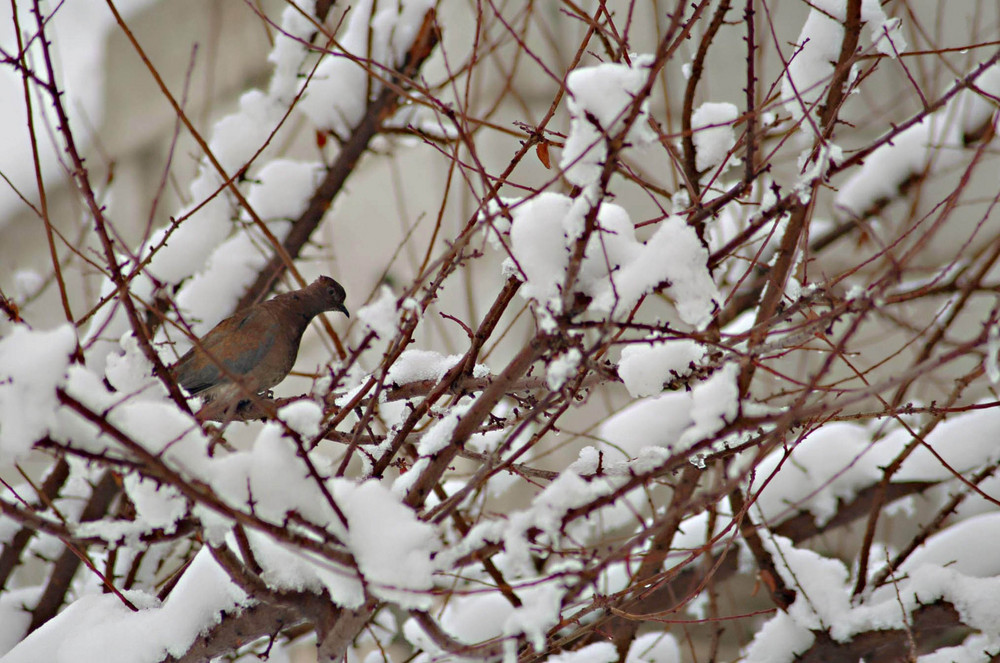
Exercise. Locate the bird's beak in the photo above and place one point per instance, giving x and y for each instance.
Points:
(343, 309)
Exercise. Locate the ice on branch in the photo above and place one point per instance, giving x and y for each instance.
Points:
(600, 100)
(32, 365)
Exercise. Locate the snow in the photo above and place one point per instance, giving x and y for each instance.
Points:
(32, 365)
(416, 365)
(392, 547)
(131, 373)
(973, 650)
(287, 54)
(889, 166)
(382, 315)
(811, 65)
(673, 420)
(964, 442)
(336, 96)
(779, 640)
(84, 629)
(821, 583)
(156, 505)
(645, 368)
(438, 436)
(539, 613)
(991, 362)
(80, 631)
(287, 568)
(398, 555)
(224, 259)
(945, 569)
(976, 599)
(828, 464)
(78, 36)
(27, 282)
(282, 188)
(652, 421)
(713, 402)
(303, 417)
(617, 270)
(936, 141)
(673, 255)
(234, 139)
(545, 513)
(654, 648)
(599, 652)
(605, 93)
(14, 619)
(468, 618)
(272, 476)
(562, 368)
(280, 192)
(538, 244)
(967, 547)
(714, 137)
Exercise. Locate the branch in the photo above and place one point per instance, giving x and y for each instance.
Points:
(377, 113)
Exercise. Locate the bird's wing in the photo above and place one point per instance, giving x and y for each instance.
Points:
(231, 343)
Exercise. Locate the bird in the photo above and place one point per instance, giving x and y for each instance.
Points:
(253, 350)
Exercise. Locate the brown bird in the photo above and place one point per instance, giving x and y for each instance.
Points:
(253, 350)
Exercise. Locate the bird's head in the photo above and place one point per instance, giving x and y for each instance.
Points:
(330, 294)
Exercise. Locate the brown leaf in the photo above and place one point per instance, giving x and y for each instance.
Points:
(542, 151)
